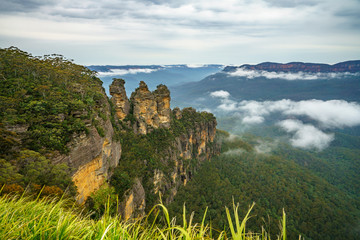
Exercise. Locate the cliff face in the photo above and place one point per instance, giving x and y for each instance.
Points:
(188, 139)
(91, 156)
(190, 148)
(349, 66)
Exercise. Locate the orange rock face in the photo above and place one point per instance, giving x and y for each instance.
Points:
(86, 179)
(119, 98)
(151, 109)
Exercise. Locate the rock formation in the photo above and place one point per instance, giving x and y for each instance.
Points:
(92, 156)
(162, 97)
(150, 109)
(119, 98)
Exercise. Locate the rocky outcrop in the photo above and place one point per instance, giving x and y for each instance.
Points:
(150, 109)
(349, 66)
(191, 142)
(162, 98)
(119, 98)
(92, 156)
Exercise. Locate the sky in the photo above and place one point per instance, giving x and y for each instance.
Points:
(119, 32)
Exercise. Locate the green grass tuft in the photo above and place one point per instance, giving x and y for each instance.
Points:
(53, 218)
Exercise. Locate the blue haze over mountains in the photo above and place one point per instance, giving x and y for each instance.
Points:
(311, 106)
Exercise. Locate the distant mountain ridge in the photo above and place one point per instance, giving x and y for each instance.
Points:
(348, 66)
(108, 68)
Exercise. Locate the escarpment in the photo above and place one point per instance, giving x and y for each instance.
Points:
(59, 129)
(161, 150)
(92, 155)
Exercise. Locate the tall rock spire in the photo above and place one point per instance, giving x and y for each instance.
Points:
(144, 108)
(162, 97)
(119, 98)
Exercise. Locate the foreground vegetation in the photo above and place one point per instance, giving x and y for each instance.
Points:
(50, 218)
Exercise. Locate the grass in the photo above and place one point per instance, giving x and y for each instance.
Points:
(50, 218)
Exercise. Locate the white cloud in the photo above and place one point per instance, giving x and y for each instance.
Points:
(325, 115)
(253, 119)
(330, 114)
(196, 65)
(243, 72)
(117, 72)
(305, 135)
(220, 94)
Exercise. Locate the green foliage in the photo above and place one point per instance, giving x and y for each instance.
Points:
(189, 120)
(101, 201)
(44, 102)
(121, 181)
(141, 155)
(47, 96)
(316, 209)
(35, 168)
(8, 173)
(47, 218)
(340, 166)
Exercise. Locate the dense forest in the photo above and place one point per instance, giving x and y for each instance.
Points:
(44, 101)
(316, 208)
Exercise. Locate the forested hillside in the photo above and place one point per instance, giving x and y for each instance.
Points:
(43, 103)
(316, 208)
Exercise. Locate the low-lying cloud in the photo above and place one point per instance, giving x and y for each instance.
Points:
(120, 72)
(306, 135)
(220, 94)
(243, 72)
(318, 116)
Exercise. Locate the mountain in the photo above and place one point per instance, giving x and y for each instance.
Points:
(289, 104)
(273, 81)
(299, 116)
(154, 74)
(348, 66)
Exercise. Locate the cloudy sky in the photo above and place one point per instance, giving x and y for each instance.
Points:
(184, 31)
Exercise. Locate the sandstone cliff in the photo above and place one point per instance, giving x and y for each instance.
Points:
(91, 156)
(168, 147)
